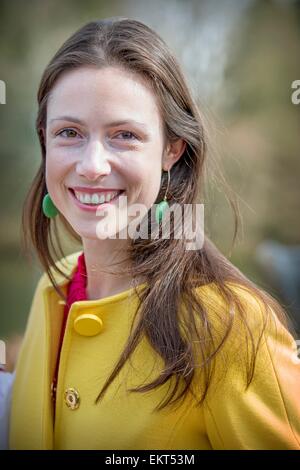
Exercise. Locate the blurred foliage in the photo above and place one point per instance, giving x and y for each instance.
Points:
(254, 125)
(258, 138)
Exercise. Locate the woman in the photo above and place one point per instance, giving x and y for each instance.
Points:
(138, 341)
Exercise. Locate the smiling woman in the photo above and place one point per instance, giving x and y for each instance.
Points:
(127, 328)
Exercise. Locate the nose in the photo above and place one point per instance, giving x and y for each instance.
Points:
(93, 163)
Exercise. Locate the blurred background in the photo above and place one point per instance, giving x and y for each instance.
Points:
(240, 58)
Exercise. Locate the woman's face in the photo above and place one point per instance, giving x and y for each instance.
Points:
(104, 135)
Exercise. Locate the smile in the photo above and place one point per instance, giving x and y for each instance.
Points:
(91, 202)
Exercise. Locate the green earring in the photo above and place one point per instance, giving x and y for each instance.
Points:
(49, 208)
(163, 205)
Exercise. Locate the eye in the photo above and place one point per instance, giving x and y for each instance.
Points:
(67, 130)
(128, 134)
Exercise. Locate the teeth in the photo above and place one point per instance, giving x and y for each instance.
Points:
(96, 198)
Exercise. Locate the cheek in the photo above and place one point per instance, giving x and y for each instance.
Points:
(56, 170)
(145, 180)
(56, 167)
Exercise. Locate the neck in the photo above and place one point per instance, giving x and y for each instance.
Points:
(105, 260)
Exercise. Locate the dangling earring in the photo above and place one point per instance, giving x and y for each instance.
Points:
(163, 205)
(48, 206)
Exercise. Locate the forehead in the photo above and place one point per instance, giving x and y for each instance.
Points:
(97, 93)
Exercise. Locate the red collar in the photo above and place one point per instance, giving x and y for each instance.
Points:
(77, 286)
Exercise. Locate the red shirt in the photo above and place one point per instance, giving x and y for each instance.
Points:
(76, 291)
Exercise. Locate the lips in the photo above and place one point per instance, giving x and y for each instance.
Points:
(83, 189)
(92, 207)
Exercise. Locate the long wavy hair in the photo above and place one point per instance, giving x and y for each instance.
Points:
(170, 270)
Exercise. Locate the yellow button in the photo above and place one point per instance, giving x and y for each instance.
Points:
(88, 324)
(72, 398)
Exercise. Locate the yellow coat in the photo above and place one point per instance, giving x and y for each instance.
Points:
(266, 416)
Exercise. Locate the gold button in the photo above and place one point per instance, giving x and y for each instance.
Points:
(72, 398)
(88, 324)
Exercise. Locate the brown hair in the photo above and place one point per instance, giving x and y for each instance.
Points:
(169, 269)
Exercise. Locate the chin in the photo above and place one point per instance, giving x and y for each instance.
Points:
(93, 233)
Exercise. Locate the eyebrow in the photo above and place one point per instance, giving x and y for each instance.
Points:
(114, 123)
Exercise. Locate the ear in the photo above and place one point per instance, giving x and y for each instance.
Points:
(172, 153)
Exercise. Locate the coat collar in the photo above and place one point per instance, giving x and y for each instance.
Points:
(67, 265)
